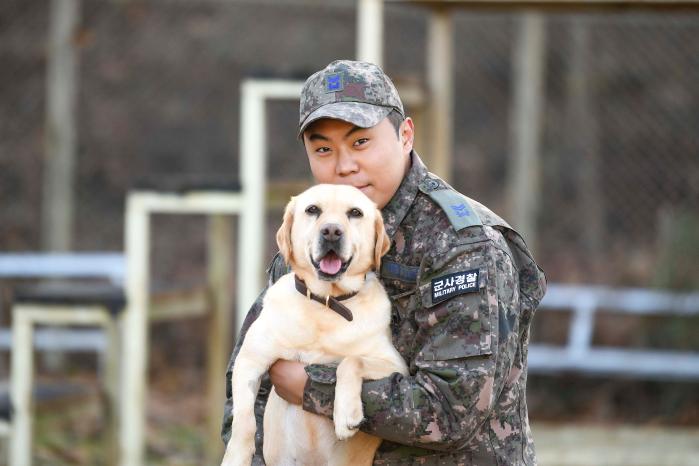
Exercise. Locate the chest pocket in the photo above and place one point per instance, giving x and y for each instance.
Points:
(400, 282)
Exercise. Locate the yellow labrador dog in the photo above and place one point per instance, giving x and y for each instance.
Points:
(330, 309)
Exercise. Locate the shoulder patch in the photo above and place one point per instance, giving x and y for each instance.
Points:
(455, 205)
(454, 284)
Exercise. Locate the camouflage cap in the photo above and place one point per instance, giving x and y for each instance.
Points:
(357, 92)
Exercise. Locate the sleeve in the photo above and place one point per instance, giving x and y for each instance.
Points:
(262, 394)
(276, 269)
(466, 342)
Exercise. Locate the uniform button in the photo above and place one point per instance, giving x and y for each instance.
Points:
(431, 184)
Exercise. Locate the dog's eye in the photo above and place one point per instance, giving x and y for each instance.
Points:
(355, 213)
(312, 210)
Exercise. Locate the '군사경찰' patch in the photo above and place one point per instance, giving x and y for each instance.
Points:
(454, 284)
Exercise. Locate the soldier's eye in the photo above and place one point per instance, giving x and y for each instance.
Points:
(361, 141)
(355, 213)
(313, 210)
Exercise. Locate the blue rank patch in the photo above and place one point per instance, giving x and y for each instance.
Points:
(334, 82)
(461, 210)
(455, 205)
(454, 284)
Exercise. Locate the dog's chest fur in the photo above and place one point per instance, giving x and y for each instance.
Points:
(313, 333)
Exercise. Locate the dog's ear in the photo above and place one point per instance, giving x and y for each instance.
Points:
(284, 232)
(383, 242)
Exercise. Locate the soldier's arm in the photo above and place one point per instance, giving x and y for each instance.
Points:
(260, 401)
(468, 345)
(276, 269)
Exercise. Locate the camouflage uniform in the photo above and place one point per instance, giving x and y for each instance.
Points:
(464, 399)
(463, 288)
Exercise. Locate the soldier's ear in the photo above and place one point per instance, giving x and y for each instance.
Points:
(383, 242)
(407, 134)
(284, 232)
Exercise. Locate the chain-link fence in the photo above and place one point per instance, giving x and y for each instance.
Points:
(620, 154)
(158, 95)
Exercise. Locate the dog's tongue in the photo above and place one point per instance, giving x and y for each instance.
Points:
(330, 264)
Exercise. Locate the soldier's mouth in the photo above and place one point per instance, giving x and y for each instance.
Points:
(330, 266)
(363, 188)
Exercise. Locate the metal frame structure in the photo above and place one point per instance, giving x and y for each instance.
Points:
(140, 206)
(24, 318)
(558, 5)
(580, 355)
(250, 207)
(436, 132)
(253, 156)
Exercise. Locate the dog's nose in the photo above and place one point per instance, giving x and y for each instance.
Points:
(331, 232)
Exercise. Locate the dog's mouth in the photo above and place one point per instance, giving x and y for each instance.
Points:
(330, 266)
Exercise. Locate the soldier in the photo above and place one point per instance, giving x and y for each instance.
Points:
(462, 283)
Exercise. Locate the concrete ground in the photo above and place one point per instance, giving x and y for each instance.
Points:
(594, 445)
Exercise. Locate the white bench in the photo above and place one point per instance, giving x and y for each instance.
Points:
(585, 302)
(84, 265)
(110, 265)
(59, 304)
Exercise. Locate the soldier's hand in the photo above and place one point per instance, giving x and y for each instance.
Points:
(289, 380)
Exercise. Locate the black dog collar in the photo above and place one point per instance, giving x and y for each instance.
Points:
(329, 301)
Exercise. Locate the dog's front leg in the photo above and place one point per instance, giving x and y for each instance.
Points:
(347, 411)
(247, 372)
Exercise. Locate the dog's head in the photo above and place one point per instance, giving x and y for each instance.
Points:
(331, 232)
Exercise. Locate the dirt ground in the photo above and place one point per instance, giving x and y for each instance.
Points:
(73, 431)
(577, 421)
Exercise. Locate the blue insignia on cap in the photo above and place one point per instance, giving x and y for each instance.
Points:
(333, 82)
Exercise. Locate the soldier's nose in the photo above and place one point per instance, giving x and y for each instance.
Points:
(331, 232)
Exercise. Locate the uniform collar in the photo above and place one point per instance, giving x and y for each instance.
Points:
(394, 212)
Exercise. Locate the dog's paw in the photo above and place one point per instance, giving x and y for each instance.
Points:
(236, 456)
(345, 431)
(347, 418)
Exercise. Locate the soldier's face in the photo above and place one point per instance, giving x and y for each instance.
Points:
(372, 159)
